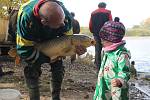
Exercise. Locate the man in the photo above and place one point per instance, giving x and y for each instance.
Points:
(76, 30)
(97, 20)
(38, 21)
(75, 24)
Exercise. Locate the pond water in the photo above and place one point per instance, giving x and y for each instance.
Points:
(140, 52)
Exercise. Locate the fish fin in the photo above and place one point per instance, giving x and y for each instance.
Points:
(65, 50)
(69, 51)
(17, 60)
(53, 59)
(73, 58)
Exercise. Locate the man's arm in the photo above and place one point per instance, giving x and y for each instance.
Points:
(67, 29)
(90, 25)
(110, 16)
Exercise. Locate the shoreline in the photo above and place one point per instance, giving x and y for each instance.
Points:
(78, 84)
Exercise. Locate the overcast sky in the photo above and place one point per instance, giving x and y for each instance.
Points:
(131, 12)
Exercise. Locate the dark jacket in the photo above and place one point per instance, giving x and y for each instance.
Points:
(97, 20)
(75, 26)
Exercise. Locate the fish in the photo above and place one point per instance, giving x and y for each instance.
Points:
(61, 46)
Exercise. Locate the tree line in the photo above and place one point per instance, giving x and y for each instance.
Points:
(7, 5)
(143, 29)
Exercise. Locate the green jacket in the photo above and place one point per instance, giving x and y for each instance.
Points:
(30, 30)
(115, 65)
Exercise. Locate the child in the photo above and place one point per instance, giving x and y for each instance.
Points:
(114, 71)
(133, 70)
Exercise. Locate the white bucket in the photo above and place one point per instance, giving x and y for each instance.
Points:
(9, 94)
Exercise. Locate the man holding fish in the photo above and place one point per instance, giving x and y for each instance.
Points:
(38, 21)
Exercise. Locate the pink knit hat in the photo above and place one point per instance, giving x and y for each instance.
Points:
(112, 31)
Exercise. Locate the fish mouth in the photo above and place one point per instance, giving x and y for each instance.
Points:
(93, 42)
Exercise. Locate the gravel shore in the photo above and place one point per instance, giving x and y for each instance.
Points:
(79, 81)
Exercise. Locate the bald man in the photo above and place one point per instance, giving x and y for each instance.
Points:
(38, 21)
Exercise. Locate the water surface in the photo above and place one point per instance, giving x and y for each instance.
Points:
(140, 52)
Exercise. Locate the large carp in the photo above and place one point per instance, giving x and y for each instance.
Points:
(61, 46)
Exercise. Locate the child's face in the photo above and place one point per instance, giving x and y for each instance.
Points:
(106, 43)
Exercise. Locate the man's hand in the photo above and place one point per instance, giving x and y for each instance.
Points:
(116, 83)
(80, 50)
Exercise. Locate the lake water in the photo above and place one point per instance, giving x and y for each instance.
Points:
(140, 52)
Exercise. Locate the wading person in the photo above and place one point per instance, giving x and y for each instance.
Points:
(38, 21)
(114, 72)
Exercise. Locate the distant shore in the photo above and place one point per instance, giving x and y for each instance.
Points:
(135, 37)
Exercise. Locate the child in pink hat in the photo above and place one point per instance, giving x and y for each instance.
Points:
(114, 73)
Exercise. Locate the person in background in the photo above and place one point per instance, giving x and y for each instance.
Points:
(12, 26)
(114, 72)
(76, 30)
(117, 19)
(75, 24)
(133, 70)
(97, 20)
(38, 21)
